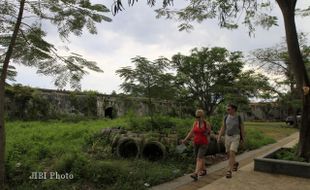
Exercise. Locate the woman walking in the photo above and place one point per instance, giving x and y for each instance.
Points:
(200, 131)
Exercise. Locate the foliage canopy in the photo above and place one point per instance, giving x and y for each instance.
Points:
(32, 48)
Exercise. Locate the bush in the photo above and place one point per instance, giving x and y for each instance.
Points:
(158, 123)
(65, 162)
(98, 146)
(26, 103)
(216, 122)
(103, 173)
(289, 154)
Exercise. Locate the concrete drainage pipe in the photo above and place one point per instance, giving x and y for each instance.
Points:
(153, 151)
(128, 148)
(214, 147)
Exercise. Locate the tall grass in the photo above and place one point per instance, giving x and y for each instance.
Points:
(70, 147)
(46, 146)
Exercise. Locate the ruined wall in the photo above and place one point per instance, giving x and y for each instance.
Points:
(29, 103)
(120, 105)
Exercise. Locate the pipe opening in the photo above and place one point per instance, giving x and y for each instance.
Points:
(127, 148)
(213, 147)
(153, 151)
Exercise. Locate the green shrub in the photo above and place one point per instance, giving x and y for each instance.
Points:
(216, 122)
(40, 151)
(98, 146)
(26, 103)
(52, 185)
(289, 154)
(65, 163)
(160, 122)
(79, 166)
(103, 173)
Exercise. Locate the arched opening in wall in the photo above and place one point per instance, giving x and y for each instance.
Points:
(108, 112)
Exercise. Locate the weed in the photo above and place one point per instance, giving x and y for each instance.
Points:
(79, 148)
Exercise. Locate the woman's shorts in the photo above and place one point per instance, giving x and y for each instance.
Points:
(200, 150)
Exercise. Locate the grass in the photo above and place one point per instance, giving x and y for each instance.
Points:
(275, 130)
(259, 134)
(64, 147)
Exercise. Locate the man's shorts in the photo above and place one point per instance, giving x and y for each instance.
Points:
(232, 143)
(200, 150)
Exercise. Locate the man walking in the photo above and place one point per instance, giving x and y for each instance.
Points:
(233, 128)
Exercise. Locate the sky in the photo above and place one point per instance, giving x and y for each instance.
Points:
(135, 31)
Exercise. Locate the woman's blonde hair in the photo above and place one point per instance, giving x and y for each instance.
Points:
(199, 113)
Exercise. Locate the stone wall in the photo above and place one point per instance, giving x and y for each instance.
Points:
(120, 105)
(28, 103)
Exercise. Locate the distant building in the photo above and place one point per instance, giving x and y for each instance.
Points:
(265, 111)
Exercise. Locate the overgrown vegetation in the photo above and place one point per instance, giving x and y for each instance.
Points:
(79, 149)
(68, 147)
(289, 154)
(159, 123)
(26, 103)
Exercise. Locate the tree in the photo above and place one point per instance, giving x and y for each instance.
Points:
(11, 73)
(22, 38)
(148, 79)
(298, 66)
(212, 76)
(275, 61)
(254, 12)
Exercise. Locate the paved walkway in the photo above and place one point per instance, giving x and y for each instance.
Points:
(248, 179)
(245, 178)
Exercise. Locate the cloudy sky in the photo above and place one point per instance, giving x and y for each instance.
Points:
(136, 31)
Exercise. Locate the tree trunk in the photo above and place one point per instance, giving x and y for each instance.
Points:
(2, 137)
(288, 10)
(6, 62)
(304, 141)
(150, 110)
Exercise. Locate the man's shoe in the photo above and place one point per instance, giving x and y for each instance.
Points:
(194, 176)
(203, 173)
(236, 165)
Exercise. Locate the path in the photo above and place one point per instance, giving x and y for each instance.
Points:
(215, 180)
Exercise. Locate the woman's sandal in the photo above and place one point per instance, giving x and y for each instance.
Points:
(194, 176)
(203, 173)
(228, 174)
(235, 168)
